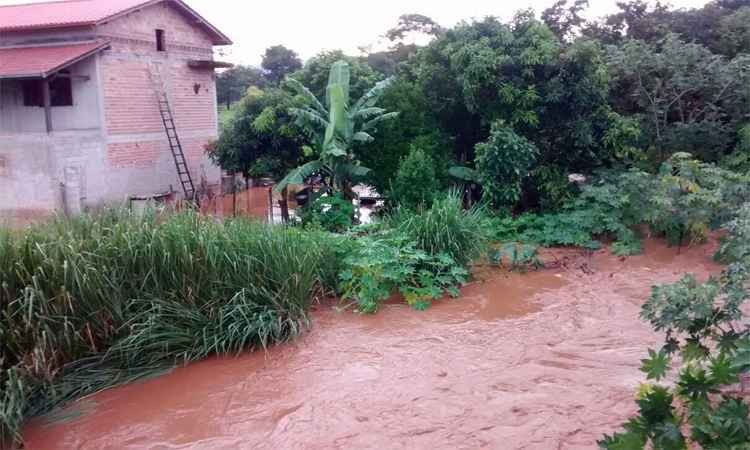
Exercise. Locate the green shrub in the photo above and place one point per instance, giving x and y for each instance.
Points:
(415, 183)
(503, 162)
(604, 208)
(550, 187)
(706, 351)
(445, 228)
(383, 266)
(682, 203)
(739, 160)
(95, 301)
(690, 197)
(332, 213)
(516, 256)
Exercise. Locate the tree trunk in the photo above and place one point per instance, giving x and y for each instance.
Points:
(284, 205)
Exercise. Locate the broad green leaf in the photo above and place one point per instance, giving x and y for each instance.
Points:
(656, 365)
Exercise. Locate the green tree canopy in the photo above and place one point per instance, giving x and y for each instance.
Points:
(261, 139)
(232, 84)
(278, 62)
(688, 98)
(314, 75)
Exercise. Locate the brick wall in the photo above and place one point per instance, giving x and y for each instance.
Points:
(129, 98)
(133, 125)
(134, 154)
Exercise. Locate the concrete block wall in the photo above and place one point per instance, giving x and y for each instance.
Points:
(26, 188)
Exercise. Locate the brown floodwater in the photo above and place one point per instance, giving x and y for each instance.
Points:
(543, 360)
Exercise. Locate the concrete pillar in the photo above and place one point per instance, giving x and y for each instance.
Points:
(72, 191)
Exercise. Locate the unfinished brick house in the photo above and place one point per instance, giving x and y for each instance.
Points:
(102, 100)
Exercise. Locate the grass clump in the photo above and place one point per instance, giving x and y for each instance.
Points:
(95, 301)
(445, 228)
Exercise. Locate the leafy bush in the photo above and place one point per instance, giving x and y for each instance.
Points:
(605, 208)
(739, 160)
(415, 183)
(691, 197)
(445, 228)
(516, 256)
(381, 267)
(706, 334)
(95, 301)
(502, 162)
(332, 213)
(683, 202)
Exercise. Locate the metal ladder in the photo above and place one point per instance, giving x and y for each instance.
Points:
(183, 172)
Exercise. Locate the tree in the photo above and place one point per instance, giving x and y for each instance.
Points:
(278, 62)
(720, 25)
(412, 31)
(413, 23)
(502, 164)
(734, 32)
(314, 75)
(564, 20)
(553, 93)
(262, 138)
(688, 98)
(415, 183)
(416, 127)
(335, 128)
(232, 84)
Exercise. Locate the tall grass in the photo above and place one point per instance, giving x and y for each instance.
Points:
(95, 301)
(446, 228)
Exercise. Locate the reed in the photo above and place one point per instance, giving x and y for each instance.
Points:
(98, 300)
(446, 228)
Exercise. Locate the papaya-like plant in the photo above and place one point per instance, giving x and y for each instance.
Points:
(708, 347)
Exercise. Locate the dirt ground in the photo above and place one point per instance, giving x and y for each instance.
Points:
(544, 360)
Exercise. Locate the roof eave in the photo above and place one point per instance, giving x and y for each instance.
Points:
(103, 46)
(54, 26)
(34, 76)
(54, 70)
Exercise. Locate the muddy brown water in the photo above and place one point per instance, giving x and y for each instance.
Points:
(544, 360)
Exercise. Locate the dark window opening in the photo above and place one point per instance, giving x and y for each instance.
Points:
(161, 43)
(60, 91)
(32, 93)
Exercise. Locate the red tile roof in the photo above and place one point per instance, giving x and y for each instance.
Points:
(77, 13)
(42, 61)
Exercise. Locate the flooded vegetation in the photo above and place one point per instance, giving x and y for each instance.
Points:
(541, 270)
(540, 360)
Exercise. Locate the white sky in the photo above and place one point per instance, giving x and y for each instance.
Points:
(309, 27)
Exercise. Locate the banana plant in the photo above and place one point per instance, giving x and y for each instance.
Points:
(335, 127)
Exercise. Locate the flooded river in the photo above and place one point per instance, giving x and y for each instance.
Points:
(544, 360)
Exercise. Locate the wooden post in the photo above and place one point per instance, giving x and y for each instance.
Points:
(234, 200)
(270, 205)
(47, 98)
(285, 205)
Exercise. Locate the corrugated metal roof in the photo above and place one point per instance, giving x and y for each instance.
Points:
(75, 13)
(42, 61)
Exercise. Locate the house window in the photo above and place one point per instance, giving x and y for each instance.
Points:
(60, 90)
(161, 43)
(32, 93)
